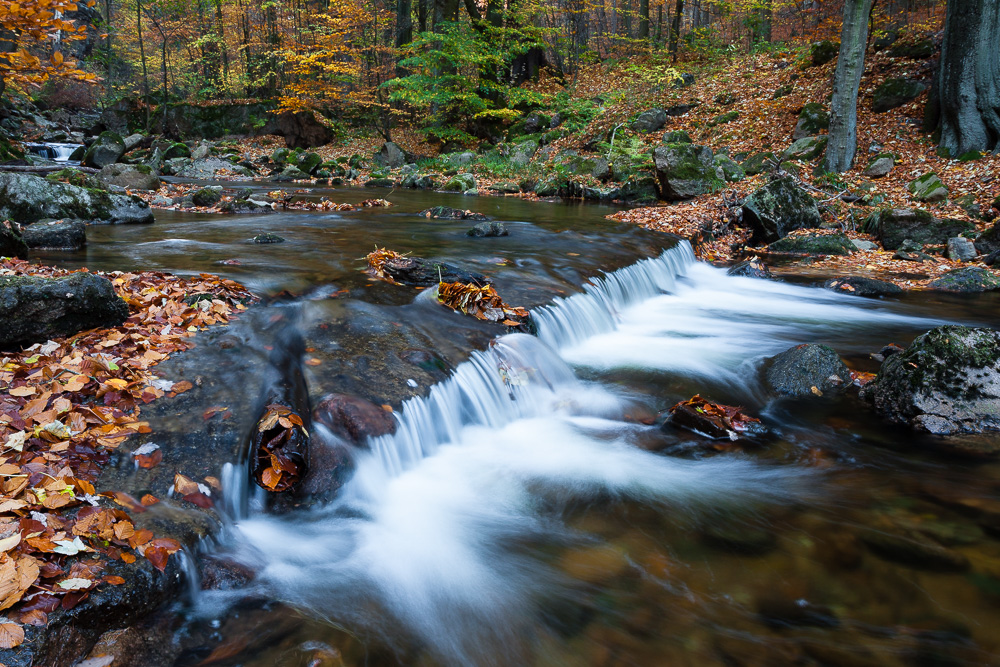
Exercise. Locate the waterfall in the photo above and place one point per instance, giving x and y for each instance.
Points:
(53, 151)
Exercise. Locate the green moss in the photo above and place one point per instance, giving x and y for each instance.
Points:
(814, 244)
(727, 117)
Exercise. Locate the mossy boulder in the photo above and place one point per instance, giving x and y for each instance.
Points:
(650, 121)
(880, 166)
(893, 226)
(861, 286)
(968, 279)
(677, 137)
(725, 98)
(778, 208)
(11, 243)
(684, 171)
(132, 177)
(279, 156)
(946, 382)
(805, 370)
(306, 162)
(291, 173)
(895, 93)
(25, 199)
(758, 163)
(820, 53)
(814, 244)
(522, 153)
(56, 234)
(731, 172)
(460, 183)
(177, 150)
(639, 189)
(107, 149)
(813, 119)
(207, 197)
(928, 188)
(724, 118)
(390, 155)
(34, 310)
(806, 149)
(989, 241)
(918, 50)
(419, 181)
(783, 91)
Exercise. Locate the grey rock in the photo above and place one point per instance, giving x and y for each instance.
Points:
(129, 176)
(684, 171)
(961, 249)
(460, 183)
(895, 93)
(807, 148)
(391, 156)
(859, 286)
(523, 152)
(928, 188)
(880, 166)
(56, 234)
(861, 244)
(208, 196)
(968, 279)
(731, 172)
(25, 198)
(11, 243)
(805, 369)
(893, 226)
(107, 149)
(778, 208)
(488, 230)
(650, 121)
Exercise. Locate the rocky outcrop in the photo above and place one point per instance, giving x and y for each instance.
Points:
(56, 234)
(806, 370)
(968, 279)
(25, 199)
(820, 53)
(893, 226)
(946, 382)
(33, 310)
(778, 208)
(895, 93)
(684, 171)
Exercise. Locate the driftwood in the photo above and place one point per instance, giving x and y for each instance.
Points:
(44, 169)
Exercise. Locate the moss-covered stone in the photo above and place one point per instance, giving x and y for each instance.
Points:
(968, 279)
(895, 93)
(731, 172)
(813, 119)
(778, 208)
(782, 91)
(723, 118)
(460, 183)
(807, 148)
(177, 150)
(107, 149)
(684, 171)
(928, 188)
(11, 243)
(805, 369)
(814, 244)
(758, 163)
(207, 197)
(820, 53)
(25, 199)
(677, 137)
(893, 226)
(726, 98)
(918, 50)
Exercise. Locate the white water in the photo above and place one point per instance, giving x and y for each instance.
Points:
(55, 152)
(432, 536)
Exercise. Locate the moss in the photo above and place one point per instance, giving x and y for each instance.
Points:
(144, 169)
(970, 156)
(727, 117)
(814, 244)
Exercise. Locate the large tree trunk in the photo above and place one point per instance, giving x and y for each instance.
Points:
(846, 80)
(675, 30)
(643, 20)
(968, 85)
(404, 29)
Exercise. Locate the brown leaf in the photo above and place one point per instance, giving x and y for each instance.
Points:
(11, 635)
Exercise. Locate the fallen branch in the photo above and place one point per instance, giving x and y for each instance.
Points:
(44, 168)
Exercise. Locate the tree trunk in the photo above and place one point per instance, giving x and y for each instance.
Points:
(142, 57)
(846, 80)
(404, 29)
(968, 85)
(643, 20)
(675, 30)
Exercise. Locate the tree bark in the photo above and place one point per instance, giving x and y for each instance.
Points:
(404, 29)
(675, 30)
(968, 85)
(846, 80)
(643, 20)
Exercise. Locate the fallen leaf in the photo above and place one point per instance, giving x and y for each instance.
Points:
(11, 635)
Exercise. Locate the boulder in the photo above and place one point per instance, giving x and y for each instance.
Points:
(680, 109)
(521, 155)
(207, 168)
(488, 230)
(11, 243)
(601, 170)
(107, 149)
(352, 418)
(175, 151)
(419, 181)
(26, 199)
(859, 286)
(425, 272)
(460, 183)
(989, 241)
(301, 129)
(677, 137)
(34, 310)
(306, 162)
(267, 237)
(778, 208)
(132, 177)
(807, 370)
(813, 119)
(684, 171)
(758, 163)
(751, 268)
(880, 166)
(650, 121)
(961, 249)
(928, 188)
(290, 173)
(820, 53)
(60, 234)
(918, 50)
(731, 172)
(807, 148)
(207, 197)
(279, 156)
(893, 226)
(380, 183)
(449, 213)
(132, 141)
(247, 204)
(641, 189)
(201, 151)
(724, 118)
(895, 93)
(814, 244)
(946, 382)
(725, 99)
(684, 80)
(783, 91)
(391, 156)
(968, 279)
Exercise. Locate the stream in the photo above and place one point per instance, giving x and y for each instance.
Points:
(526, 511)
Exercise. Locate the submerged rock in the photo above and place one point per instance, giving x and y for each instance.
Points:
(352, 418)
(859, 286)
(425, 272)
(488, 230)
(806, 370)
(778, 208)
(450, 213)
(60, 234)
(946, 382)
(751, 268)
(267, 237)
(33, 310)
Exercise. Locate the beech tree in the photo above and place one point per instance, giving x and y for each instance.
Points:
(843, 142)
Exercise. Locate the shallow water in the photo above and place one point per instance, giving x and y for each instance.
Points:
(526, 512)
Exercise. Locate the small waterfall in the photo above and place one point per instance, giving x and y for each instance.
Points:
(53, 151)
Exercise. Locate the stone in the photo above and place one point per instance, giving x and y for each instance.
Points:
(783, 91)
(880, 166)
(820, 53)
(267, 237)
(207, 168)
(132, 177)
(928, 188)
(419, 181)
(522, 153)
(726, 98)
(107, 149)
(34, 310)
(641, 189)
(860, 286)
(380, 183)
(279, 155)
(132, 141)
(989, 241)
(968, 279)
(813, 119)
(895, 93)
(201, 151)
(861, 244)
(918, 50)
(807, 148)
(290, 173)
(301, 129)
(650, 121)
(11, 243)
(677, 137)
(306, 162)
(352, 418)
(946, 382)
(893, 226)
(684, 171)
(686, 79)
(814, 244)
(505, 188)
(961, 249)
(731, 172)
(248, 204)
(56, 234)
(805, 370)
(680, 109)
(460, 183)
(488, 230)
(724, 118)
(391, 156)
(758, 163)
(751, 268)
(601, 170)
(424, 272)
(207, 197)
(450, 213)
(177, 150)
(778, 208)
(25, 198)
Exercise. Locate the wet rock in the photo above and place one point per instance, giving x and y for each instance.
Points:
(928, 188)
(419, 181)
(460, 183)
(245, 203)
(56, 234)
(208, 168)
(893, 226)
(813, 119)
(918, 50)
(859, 286)
(718, 422)
(107, 149)
(961, 249)
(814, 244)
(968, 279)
(290, 173)
(11, 243)
(738, 537)
(379, 183)
(805, 370)
(505, 188)
(425, 272)
(25, 198)
(914, 551)
(989, 241)
(33, 310)
(449, 213)
(880, 166)
(391, 156)
(820, 53)
(267, 237)
(758, 163)
(895, 93)
(650, 121)
(488, 230)
(133, 177)
(639, 189)
(352, 418)
(807, 148)
(684, 171)
(522, 153)
(782, 611)
(778, 208)
(208, 196)
(946, 382)
(751, 268)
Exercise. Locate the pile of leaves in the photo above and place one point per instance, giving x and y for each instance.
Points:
(482, 302)
(377, 259)
(280, 443)
(375, 203)
(723, 422)
(65, 406)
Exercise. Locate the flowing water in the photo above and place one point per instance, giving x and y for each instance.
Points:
(528, 511)
(53, 151)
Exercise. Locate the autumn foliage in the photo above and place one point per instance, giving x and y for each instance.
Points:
(33, 24)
